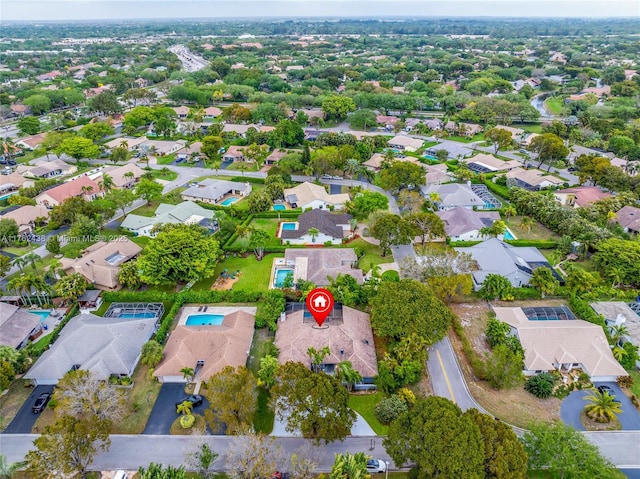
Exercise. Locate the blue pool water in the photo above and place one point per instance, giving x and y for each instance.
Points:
(289, 226)
(136, 315)
(430, 157)
(43, 314)
(508, 235)
(4, 197)
(204, 319)
(281, 276)
(279, 207)
(229, 201)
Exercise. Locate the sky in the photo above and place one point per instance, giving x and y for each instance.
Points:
(25, 10)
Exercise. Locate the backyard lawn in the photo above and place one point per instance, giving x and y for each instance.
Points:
(261, 345)
(270, 225)
(538, 231)
(254, 274)
(364, 404)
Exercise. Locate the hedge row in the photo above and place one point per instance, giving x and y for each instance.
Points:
(542, 244)
(502, 191)
(583, 310)
(234, 236)
(474, 360)
(279, 214)
(247, 179)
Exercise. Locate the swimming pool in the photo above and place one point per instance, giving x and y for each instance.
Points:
(43, 314)
(430, 157)
(136, 315)
(508, 235)
(204, 319)
(289, 226)
(229, 201)
(4, 197)
(279, 207)
(281, 276)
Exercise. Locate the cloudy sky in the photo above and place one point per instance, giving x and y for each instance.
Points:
(16, 10)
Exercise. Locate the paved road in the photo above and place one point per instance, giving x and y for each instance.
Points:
(164, 413)
(25, 419)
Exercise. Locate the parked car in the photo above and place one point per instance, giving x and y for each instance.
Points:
(523, 151)
(194, 399)
(376, 465)
(280, 475)
(571, 169)
(41, 403)
(606, 389)
(11, 162)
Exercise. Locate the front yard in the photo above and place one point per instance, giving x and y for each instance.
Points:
(12, 400)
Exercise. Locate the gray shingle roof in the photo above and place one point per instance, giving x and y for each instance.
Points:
(324, 221)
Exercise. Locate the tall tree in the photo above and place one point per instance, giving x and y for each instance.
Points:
(149, 190)
(71, 287)
(391, 230)
(67, 447)
(500, 138)
(550, 148)
(503, 367)
(544, 281)
(253, 456)
(313, 403)
(233, 399)
(438, 439)
(151, 353)
(426, 225)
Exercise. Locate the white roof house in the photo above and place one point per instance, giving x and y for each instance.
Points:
(309, 195)
(186, 212)
(402, 142)
(213, 191)
(104, 346)
(483, 163)
(462, 224)
(452, 195)
(562, 345)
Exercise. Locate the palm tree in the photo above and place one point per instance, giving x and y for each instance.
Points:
(344, 372)
(314, 232)
(509, 211)
(20, 262)
(124, 144)
(7, 470)
(55, 268)
(106, 183)
(618, 331)
(185, 408)
(17, 286)
(602, 406)
(187, 373)
(317, 356)
(619, 353)
(86, 190)
(32, 258)
(527, 223)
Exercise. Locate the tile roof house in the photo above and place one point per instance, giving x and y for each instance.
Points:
(494, 256)
(31, 142)
(463, 129)
(236, 128)
(516, 133)
(331, 228)
(562, 345)
(105, 347)
(212, 112)
(131, 142)
(452, 195)
(125, 176)
(182, 111)
(16, 326)
(309, 195)
(83, 187)
(454, 149)
(580, 196)
(316, 264)
(207, 349)
(437, 174)
(377, 159)
(618, 313)
(483, 163)
(101, 262)
(402, 143)
(12, 182)
(629, 218)
(161, 147)
(462, 224)
(25, 217)
(531, 179)
(213, 191)
(347, 334)
(43, 168)
(186, 212)
(234, 154)
(275, 156)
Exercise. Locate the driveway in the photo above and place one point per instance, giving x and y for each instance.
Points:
(25, 419)
(573, 405)
(164, 410)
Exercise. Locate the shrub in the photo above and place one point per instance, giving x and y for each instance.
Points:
(496, 332)
(187, 421)
(625, 381)
(390, 408)
(390, 275)
(540, 386)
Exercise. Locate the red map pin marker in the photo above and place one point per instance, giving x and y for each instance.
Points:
(320, 304)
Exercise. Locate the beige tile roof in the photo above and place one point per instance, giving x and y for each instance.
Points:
(218, 346)
(117, 174)
(550, 342)
(316, 264)
(308, 192)
(349, 339)
(533, 177)
(14, 179)
(15, 324)
(101, 262)
(70, 189)
(26, 215)
(406, 141)
(493, 163)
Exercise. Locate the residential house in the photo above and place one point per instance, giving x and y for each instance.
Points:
(12, 182)
(19, 110)
(234, 154)
(90, 300)
(214, 191)
(130, 142)
(531, 179)
(454, 149)
(316, 265)
(101, 262)
(516, 133)
(319, 114)
(186, 212)
(31, 142)
(52, 75)
(629, 218)
(434, 124)
(275, 156)
(462, 224)
(331, 228)
(82, 187)
(580, 196)
(17, 326)
(207, 349)
(621, 314)
(437, 174)
(562, 345)
(182, 111)
(125, 176)
(161, 147)
(106, 347)
(452, 195)
(402, 143)
(463, 129)
(377, 160)
(346, 332)
(25, 217)
(309, 195)
(494, 256)
(240, 130)
(43, 168)
(387, 121)
(212, 112)
(558, 57)
(483, 163)
(525, 141)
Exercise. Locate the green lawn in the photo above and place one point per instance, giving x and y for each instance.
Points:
(140, 401)
(538, 231)
(465, 139)
(635, 389)
(254, 274)
(261, 345)
(20, 251)
(75, 248)
(532, 128)
(555, 105)
(167, 176)
(166, 159)
(270, 225)
(372, 254)
(364, 404)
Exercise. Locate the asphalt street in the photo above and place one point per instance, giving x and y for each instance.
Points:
(25, 419)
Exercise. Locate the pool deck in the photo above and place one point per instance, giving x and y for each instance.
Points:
(281, 227)
(224, 310)
(277, 262)
(51, 322)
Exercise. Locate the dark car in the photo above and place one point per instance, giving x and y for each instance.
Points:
(41, 403)
(606, 389)
(194, 399)
(571, 168)
(11, 162)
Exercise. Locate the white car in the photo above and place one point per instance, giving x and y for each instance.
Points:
(376, 465)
